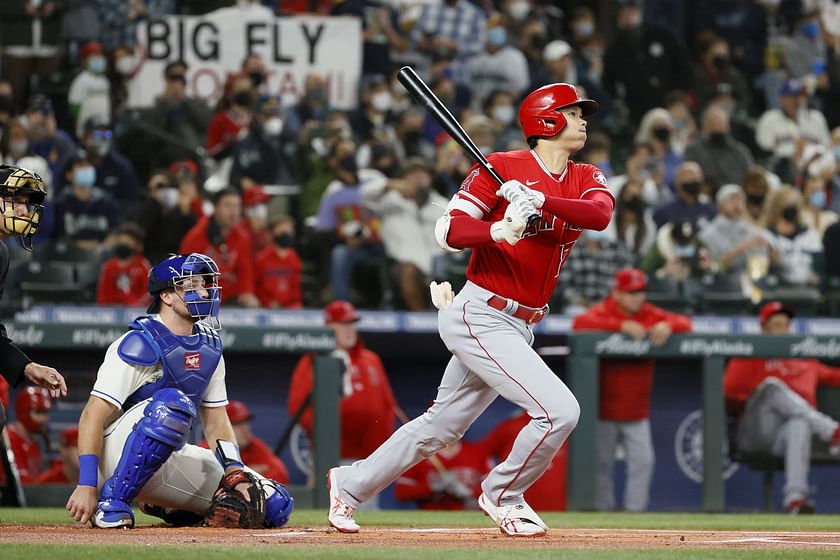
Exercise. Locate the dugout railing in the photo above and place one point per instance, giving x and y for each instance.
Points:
(586, 349)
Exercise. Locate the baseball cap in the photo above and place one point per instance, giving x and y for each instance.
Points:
(770, 309)
(184, 166)
(69, 437)
(792, 87)
(682, 233)
(238, 411)
(340, 311)
(90, 48)
(727, 191)
(630, 280)
(556, 50)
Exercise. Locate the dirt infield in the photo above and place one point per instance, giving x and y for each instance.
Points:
(424, 537)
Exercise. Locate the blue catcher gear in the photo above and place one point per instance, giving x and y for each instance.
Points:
(163, 429)
(278, 504)
(195, 278)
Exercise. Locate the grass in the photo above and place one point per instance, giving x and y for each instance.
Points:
(346, 551)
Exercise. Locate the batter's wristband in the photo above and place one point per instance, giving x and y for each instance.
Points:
(88, 470)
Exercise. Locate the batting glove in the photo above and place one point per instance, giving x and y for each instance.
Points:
(511, 227)
(441, 294)
(513, 189)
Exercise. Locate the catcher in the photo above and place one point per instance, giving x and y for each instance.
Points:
(155, 379)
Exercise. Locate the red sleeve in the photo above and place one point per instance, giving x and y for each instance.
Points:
(466, 231)
(677, 322)
(594, 211)
(299, 389)
(740, 377)
(596, 320)
(215, 134)
(828, 375)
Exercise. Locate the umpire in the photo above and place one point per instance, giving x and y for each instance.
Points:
(22, 196)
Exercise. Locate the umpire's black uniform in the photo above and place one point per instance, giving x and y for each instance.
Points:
(12, 359)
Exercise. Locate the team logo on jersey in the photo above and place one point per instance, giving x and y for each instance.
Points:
(465, 185)
(545, 223)
(192, 361)
(599, 177)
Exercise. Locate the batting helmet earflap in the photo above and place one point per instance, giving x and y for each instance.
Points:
(539, 114)
(29, 400)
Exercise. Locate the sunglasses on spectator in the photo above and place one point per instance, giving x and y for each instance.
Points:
(102, 134)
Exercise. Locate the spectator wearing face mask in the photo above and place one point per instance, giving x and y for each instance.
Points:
(166, 213)
(688, 206)
(723, 159)
(715, 67)
(45, 138)
(232, 118)
(84, 214)
(632, 224)
(278, 267)
(813, 212)
(501, 66)
(756, 187)
(657, 129)
(90, 90)
(15, 144)
(255, 204)
(499, 108)
(262, 156)
(795, 243)
(374, 118)
(124, 277)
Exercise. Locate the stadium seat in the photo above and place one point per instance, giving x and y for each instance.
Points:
(452, 268)
(667, 294)
(51, 282)
(722, 294)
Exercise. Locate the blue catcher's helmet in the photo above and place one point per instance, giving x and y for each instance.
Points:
(278, 504)
(197, 278)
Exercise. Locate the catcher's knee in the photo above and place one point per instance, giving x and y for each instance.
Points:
(278, 504)
(168, 417)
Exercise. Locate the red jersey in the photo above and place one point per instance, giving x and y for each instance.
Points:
(469, 467)
(625, 385)
(278, 278)
(223, 131)
(4, 392)
(54, 475)
(259, 457)
(27, 455)
(123, 284)
(743, 375)
(236, 263)
(528, 271)
(367, 415)
(549, 492)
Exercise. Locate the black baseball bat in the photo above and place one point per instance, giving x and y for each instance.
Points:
(421, 93)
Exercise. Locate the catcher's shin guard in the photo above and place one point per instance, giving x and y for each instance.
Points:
(278, 504)
(163, 429)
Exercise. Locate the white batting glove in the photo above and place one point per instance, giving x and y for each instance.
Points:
(512, 189)
(511, 227)
(441, 294)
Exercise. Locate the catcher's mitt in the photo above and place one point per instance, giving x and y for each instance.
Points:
(238, 502)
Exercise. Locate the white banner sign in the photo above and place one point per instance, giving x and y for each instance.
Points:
(214, 45)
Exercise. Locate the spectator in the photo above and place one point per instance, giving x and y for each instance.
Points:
(722, 158)
(785, 131)
(657, 129)
(742, 24)
(32, 408)
(774, 402)
(793, 242)
(500, 66)
(559, 64)
(373, 120)
(731, 241)
(45, 138)
(457, 26)
(367, 409)
(16, 145)
(408, 209)
(451, 166)
(123, 279)
(625, 387)
(756, 188)
(380, 33)
(225, 239)
(79, 24)
(84, 213)
(818, 171)
(254, 451)
(683, 126)
(643, 63)
(804, 46)
(65, 469)
(448, 480)
(312, 158)
(549, 492)
(90, 90)
(642, 167)
(587, 275)
(119, 18)
(677, 255)
(831, 250)
(597, 153)
(179, 115)
(255, 201)
(278, 268)
(166, 213)
(232, 118)
(533, 38)
(714, 67)
(632, 224)
(114, 172)
(583, 26)
(314, 104)
(262, 156)
(689, 205)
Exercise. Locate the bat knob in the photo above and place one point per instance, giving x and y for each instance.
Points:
(533, 220)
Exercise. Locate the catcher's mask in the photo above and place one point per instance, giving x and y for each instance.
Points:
(22, 193)
(195, 279)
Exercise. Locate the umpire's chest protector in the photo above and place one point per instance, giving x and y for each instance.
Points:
(188, 362)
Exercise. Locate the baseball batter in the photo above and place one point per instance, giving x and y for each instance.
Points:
(155, 380)
(488, 326)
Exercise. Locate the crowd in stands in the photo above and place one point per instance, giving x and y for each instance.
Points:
(718, 130)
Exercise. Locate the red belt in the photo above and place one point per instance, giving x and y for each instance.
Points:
(530, 315)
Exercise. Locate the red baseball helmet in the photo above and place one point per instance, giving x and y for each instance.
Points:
(340, 311)
(238, 412)
(539, 114)
(29, 400)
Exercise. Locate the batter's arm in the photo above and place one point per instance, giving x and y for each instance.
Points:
(594, 211)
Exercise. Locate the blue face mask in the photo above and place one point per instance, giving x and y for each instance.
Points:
(97, 64)
(497, 36)
(84, 177)
(817, 199)
(810, 29)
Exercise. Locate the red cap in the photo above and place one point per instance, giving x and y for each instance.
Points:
(238, 412)
(340, 311)
(29, 400)
(69, 437)
(255, 195)
(630, 280)
(184, 164)
(90, 48)
(770, 309)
